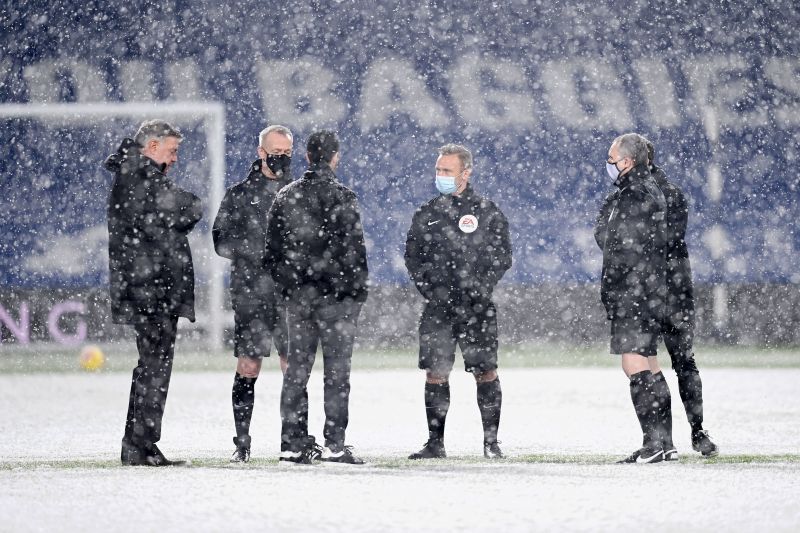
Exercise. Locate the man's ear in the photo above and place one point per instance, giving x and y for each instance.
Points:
(262, 154)
(308, 159)
(152, 145)
(335, 160)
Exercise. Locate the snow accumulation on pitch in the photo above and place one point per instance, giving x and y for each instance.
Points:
(570, 413)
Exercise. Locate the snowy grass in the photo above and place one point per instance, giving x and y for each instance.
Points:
(563, 427)
(395, 463)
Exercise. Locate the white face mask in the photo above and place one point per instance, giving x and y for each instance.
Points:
(612, 170)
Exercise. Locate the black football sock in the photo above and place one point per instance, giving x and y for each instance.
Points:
(243, 398)
(690, 387)
(437, 403)
(643, 398)
(490, 400)
(664, 409)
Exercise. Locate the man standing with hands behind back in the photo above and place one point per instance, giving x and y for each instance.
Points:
(457, 249)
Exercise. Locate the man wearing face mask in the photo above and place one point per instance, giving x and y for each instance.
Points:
(316, 252)
(632, 232)
(457, 249)
(239, 234)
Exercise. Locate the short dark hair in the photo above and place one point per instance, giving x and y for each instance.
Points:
(322, 146)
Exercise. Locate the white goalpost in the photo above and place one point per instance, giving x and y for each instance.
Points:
(211, 114)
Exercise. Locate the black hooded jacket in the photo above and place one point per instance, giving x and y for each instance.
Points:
(632, 232)
(680, 292)
(151, 274)
(315, 239)
(455, 261)
(240, 232)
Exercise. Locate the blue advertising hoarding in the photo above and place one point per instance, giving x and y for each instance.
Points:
(537, 91)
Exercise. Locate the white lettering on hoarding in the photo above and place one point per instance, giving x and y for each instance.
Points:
(45, 80)
(300, 94)
(658, 91)
(586, 94)
(492, 94)
(784, 73)
(721, 87)
(393, 87)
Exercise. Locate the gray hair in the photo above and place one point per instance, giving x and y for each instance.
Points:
(632, 145)
(155, 129)
(275, 128)
(464, 155)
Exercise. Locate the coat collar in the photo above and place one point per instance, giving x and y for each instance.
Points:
(637, 174)
(319, 172)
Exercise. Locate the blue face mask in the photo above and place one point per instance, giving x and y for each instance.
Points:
(446, 184)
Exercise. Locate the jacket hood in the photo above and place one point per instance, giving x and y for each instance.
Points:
(127, 150)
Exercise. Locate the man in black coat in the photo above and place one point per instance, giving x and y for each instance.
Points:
(151, 274)
(677, 326)
(317, 257)
(631, 231)
(239, 234)
(457, 249)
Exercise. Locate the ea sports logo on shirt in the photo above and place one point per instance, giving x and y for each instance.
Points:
(468, 223)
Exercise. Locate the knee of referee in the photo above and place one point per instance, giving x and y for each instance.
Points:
(436, 377)
(485, 377)
(248, 367)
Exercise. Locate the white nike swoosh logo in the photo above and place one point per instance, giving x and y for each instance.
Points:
(432, 223)
(641, 459)
(254, 203)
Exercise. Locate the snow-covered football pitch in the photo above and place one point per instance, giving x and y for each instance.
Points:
(563, 427)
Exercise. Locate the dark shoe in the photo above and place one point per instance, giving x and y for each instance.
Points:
(156, 458)
(646, 454)
(131, 454)
(491, 450)
(344, 456)
(306, 456)
(242, 453)
(147, 455)
(671, 453)
(701, 442)
(433, 449)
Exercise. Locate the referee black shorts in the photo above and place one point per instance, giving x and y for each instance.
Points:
(634, 335)
(256, 327)
(475, 334)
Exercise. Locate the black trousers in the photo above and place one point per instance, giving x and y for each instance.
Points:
(679, 339)
(313, 321)
(150, 381)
